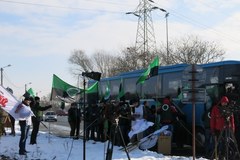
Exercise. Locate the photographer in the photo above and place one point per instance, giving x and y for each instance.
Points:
(123, 112)
(218, 117)
(221, 118)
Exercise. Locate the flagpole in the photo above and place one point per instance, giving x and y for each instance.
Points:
(84, 118)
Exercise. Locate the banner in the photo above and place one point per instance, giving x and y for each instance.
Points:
(9, 104)
(62, 90)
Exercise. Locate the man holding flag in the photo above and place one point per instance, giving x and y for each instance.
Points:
(139, 124)
(20, 111)
(24, 111)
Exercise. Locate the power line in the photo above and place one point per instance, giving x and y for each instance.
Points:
(107, 2)
(58, 7)
(192, 21)
(10, 82)
(196, 23)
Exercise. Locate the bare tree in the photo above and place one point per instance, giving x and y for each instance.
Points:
(130, 60)
(80, 61)
(191, 50)
(104, 63)
(100, 61)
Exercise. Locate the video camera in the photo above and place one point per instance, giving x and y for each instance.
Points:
(230, 109)
(118, 110)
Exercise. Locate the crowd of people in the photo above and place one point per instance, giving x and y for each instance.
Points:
(102, 120)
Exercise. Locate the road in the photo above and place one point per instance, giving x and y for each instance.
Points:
(60, 128)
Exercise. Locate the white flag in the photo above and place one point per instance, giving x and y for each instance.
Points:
(139, 125)
(9, 104)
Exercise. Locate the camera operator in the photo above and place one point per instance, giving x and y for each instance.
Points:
(219, 115)
(91, 113)
(221, 118)
(123, 114)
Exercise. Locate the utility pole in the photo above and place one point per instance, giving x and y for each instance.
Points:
(2, 73)
(145, 39)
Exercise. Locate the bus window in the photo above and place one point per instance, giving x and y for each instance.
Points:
(130, 87)
(114, 88)
(212, 75)
(232, 91)
(171, 83)
(213, 92)
(102, 88)
(151, 87)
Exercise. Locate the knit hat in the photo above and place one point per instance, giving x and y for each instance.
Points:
(37, 98)
(224, 99)
(27, 99)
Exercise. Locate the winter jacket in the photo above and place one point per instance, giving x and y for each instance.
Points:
(168, 112)
(217, 121)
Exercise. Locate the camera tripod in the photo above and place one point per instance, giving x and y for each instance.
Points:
(111, 141)
(226, 145)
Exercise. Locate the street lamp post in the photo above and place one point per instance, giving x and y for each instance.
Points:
(2, 73)
(26, 86)
(166, 16)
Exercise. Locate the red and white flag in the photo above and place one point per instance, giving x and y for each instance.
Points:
(9, 104)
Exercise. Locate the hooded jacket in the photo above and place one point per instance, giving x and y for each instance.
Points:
(217, 121)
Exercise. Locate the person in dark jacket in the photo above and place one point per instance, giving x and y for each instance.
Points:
(168, 113)
(92, 113)
(209, 141)
(74, 120)
(36, 109)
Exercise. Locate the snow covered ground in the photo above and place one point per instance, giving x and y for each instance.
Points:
(50, 147)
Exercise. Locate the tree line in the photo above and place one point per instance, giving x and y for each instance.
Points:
(190, 49)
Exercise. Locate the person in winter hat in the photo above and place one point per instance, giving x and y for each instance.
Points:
(36, 119)
(221, 123)
(218, 120)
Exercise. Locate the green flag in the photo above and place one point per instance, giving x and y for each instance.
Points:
(62, 90)
(107, 92)
(151, 71)
(93, 88)
(31, 93)
(121, 92)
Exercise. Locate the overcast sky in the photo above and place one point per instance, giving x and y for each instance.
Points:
(38, 36)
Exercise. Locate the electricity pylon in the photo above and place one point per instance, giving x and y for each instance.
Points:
(145, 39)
